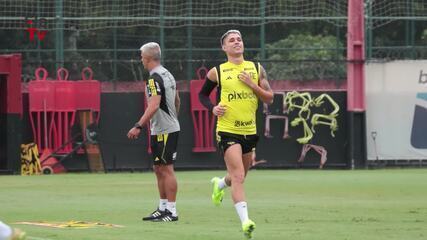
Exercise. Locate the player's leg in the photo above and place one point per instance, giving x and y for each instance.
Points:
(248, 226)
(170, 185)
(235, 172)
(170, 143)
(157, 148)
(248, 150)
(161, 185)
(171, 188)
(220, 183)
(247, 161)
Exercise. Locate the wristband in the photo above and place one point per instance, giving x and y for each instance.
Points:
(137, 125)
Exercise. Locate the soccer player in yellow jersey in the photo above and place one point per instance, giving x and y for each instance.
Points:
(240, 84)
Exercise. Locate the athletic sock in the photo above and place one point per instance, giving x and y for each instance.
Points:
(222, 184)
(242, 211)
(171, 206)
(162, 204)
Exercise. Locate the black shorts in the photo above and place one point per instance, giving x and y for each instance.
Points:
(163, 148)
(226, 140)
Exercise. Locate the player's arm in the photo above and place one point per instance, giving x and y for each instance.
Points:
(209, 85)
(177, 102)
(153, 104)
(263, 89)
(154, 93)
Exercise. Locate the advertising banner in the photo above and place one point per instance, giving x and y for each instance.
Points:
(396, 110)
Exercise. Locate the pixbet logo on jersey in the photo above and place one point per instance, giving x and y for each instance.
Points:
(419, 125)
(240, 95)
(35, 27)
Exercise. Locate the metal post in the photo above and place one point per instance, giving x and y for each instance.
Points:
(412, 36)
(356, 84)
(162, 28)
(189, 41)
(407, 31)
(337, 34)
(39, 58)
(115, 44)
(115, 53)
(410, 30)
(355, 56)
(368, 29)
(59, 33)
(262, 30)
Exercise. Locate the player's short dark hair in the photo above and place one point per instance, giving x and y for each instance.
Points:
(228, 33)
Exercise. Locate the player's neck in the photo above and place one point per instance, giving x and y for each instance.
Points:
(153, 66)
(236, 59)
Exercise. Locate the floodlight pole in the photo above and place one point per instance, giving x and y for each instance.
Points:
(356, 84)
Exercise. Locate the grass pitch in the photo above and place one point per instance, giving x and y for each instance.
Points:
(285, 204)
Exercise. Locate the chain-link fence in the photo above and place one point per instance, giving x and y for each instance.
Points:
(298, 40)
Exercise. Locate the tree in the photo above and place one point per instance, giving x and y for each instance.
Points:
(306, 57)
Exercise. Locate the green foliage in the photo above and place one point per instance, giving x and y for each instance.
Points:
(306, 57)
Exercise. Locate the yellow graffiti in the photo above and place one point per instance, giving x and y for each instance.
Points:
(30, 162)
(303, 102)
(326, 119)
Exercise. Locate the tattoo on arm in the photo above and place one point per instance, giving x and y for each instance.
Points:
(265, 85)
(263, 80)
(263, 73)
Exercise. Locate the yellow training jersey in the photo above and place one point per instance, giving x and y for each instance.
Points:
(240, 101)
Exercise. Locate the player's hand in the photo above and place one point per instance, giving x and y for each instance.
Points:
(134, 133)
(246, 79)
(219, 110)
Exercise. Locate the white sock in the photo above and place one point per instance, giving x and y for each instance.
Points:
(222, 184)
(171, 206)
(5, 231)
(242, 210)
(162, 204)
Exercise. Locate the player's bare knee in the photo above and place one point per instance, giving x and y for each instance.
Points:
(238, 178)
(158, 171)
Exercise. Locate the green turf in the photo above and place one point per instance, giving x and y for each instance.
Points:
(377, 204)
